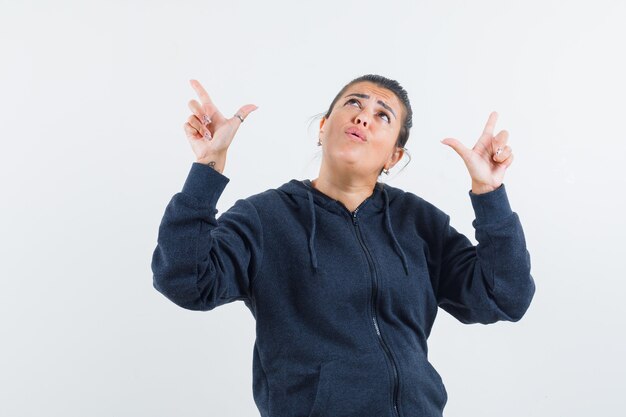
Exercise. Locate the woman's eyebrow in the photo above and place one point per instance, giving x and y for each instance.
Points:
(382, 103)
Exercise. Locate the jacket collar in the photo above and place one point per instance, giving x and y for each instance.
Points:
(378, 201)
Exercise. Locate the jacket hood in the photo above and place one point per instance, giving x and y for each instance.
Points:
(376, 203)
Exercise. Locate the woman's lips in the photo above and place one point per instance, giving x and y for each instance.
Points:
(355, 137)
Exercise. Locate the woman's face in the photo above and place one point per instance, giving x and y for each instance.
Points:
(371, 111)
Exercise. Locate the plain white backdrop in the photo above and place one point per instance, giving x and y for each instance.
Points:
(93, 97)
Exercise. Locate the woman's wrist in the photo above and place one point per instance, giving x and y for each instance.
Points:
(478, 188)
(216, 162)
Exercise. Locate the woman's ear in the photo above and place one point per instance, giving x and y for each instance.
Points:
(397, 155)
(322, 123)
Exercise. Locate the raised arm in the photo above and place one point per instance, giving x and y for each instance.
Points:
(490, 281)
(201, 262)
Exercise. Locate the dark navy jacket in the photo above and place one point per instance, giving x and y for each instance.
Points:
(343, 301)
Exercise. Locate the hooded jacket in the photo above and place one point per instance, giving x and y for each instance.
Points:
(343, 301)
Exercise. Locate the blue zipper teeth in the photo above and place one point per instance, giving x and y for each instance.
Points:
(374, 299)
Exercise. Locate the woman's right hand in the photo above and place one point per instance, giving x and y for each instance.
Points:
(209, 133)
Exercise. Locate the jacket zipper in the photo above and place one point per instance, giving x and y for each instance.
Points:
(374, 299)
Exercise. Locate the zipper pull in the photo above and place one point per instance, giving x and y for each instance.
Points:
(354, 219)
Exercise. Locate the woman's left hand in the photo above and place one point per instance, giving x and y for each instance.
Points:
(488, 159)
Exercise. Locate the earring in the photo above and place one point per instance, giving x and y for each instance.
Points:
(385, 171)
(319, 142)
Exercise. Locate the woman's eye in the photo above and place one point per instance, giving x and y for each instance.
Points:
(352, 100)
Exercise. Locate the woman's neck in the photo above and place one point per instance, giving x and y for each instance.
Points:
(349, 193)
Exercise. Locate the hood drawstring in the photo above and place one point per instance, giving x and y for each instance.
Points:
(312, 237)
(397, 246)
(393, 236)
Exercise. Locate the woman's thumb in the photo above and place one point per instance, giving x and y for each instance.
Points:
(456, 145)
(244, 111)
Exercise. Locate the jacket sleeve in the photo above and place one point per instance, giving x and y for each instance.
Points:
(201, 262)
(490, 281)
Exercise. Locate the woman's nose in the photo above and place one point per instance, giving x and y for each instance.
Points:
(363, 116)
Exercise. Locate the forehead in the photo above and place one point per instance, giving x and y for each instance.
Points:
(376, 93)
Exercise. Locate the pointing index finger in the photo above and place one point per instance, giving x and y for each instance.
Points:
(207, 104)
(491, 124)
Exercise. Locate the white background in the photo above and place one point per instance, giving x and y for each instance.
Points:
(92, 102)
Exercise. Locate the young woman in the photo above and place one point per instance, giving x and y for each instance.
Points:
(344, 274)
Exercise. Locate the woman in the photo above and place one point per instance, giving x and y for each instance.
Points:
(343, 274)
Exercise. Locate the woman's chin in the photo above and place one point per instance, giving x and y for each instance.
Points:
(345, 161)
(346, 157)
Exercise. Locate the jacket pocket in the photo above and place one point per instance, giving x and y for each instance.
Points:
(354, 386)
